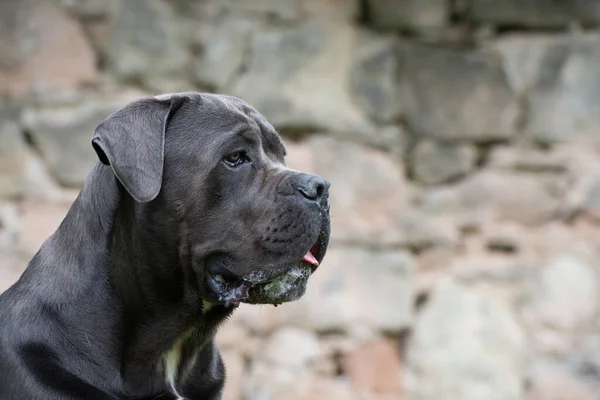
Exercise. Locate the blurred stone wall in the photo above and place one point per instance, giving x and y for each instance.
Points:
(461, 138)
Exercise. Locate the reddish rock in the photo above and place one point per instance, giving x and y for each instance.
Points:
(46, 50)
(375, 367)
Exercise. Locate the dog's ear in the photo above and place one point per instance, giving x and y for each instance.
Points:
(132, 141)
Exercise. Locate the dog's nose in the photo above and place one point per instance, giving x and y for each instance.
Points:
(313, 187)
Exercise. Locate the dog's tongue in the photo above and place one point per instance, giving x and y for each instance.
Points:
(310, 258)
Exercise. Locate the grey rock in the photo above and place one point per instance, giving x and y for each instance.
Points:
(292, 348)
(434, 162)
(499, 196)
(355, 288)
(564, 103)
(223, 46)
(565, 277)
(297, 77)
(591, 203)
(415, 15)
(147, 42)
(288, 10)
(534, 13)
(331, 10)
(62, 134)
(90, 10)
(22, 173)
(552, 381)
(452, 94)
(457, 325)
(375, 79)
(523, 57)
(9, 227)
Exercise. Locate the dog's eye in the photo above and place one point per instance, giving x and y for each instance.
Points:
(235, 159)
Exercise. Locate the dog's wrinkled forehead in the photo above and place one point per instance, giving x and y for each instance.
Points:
(224, 118)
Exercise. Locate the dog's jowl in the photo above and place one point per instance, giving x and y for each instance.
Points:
(189, 211)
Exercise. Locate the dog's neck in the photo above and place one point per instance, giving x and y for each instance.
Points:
(134, 276)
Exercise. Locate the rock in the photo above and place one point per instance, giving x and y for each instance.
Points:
(269, 382)
(146, 42)
(368, 189)
(297, 78)
(523, 58)
(375, 78)
(222, 49)
(592, 201)
(530, 199)
(534, 13)
(564, 277)
(564, 104)
(331, 10)
(421, 231)
(9, 227)
(434, 162)
(234, 370)
(62, 133)
(375, 367)
(525, 159)
(22, 174)
(551, 381)
(39, 220)
(412, 15)
(291, 348)
(355, 288)
(90, 10)
(456, 326)
(287, 10)
(43, 50)
(450, 94)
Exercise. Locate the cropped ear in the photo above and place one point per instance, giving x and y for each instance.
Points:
(132, 141)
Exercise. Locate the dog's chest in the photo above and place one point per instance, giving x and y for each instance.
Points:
(179, 360)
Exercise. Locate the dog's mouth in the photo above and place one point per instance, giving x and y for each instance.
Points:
(259, 288)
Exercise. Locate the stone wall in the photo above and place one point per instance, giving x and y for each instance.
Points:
(462, 141)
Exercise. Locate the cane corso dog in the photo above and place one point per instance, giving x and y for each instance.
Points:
(189, 211)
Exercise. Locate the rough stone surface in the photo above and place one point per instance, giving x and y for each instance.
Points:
(297, 78)
(530, 199)
(535, 13)
(35, 39)
(355, 288)
(413, 15)
(435, 162)
(566, 295)
(452, 94)
(9, 227)
(462, 146)
(234, 368)
(564, 103)
(63, 133)
(146, 42)
(222, 48)
(455, 328)
(22, 174)
(375, 78)
(551, 381)
(375, 367)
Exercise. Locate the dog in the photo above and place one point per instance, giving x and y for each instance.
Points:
(189, 211)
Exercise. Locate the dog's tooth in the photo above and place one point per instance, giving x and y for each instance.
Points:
(219, 278)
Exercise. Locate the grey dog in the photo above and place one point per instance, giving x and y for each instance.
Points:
(190, 211)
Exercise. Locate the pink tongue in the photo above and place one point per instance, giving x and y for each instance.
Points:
(309, 258)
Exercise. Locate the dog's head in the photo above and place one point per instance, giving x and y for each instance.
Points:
(249, 228)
